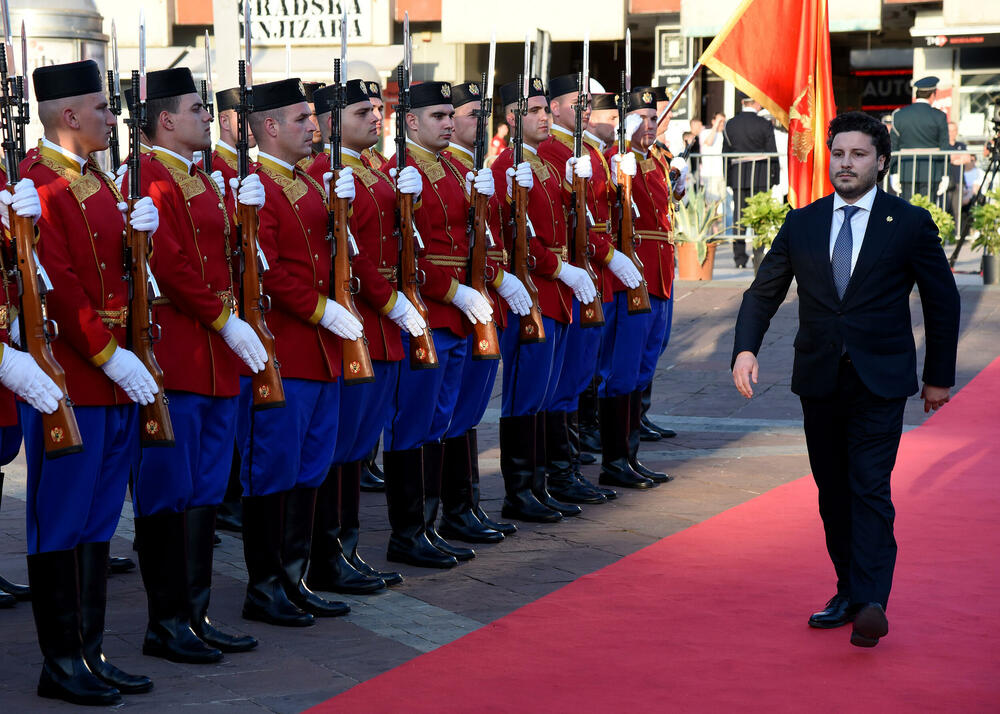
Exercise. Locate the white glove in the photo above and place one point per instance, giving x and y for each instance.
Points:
(625, 270)
(120, 176)
(144, 216)
(475, 306)
(777, 194)
(406, 316)
(250, 192)
(941, 189)
(513, 291)
(409, 181)
(24, 201)
(578, 280)
(626, 164)
(682, 166)
(344, 186)
(483, 181)
(220, 181)
(244, 342)
(895, 183)
(125, 370)
(632, 122)
(522, 174)
(340, 322)
(14, 331)
(21, 375)
(578, 167)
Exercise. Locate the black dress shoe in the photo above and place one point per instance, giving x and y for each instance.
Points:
(837, 613)
(464, 526)
(21, 593)
(654, 476)
(661, 430)
(455, 551)
(869, 625)
(118, 565)
(419, 552)
(647, 434)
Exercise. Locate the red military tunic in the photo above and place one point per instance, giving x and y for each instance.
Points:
(224, 160)
(557, 150)
(8, 309)
(373, 224)
(292, 236)
(80, 245)
(441, 219)
(191, 261)
(652, 225)
(547, 212)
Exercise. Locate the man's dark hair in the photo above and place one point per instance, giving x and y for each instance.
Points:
(155, 107)
(867, 124)
(925, 93)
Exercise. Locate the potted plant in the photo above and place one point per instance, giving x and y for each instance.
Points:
(698, 229)
(942, 219)
(986, 220)
(763, 214)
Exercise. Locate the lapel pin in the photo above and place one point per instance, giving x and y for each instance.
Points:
(888, 219)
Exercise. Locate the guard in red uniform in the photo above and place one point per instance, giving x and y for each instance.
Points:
(531, 371)
(288, 452)
(74, 502)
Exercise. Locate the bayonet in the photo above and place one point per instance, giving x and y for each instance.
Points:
(209, 90)
(7, 38)
(628, 61)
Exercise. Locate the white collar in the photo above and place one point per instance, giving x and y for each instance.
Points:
(564, 130)
(276, 160)
(435, 154)
(749, 109)
(596, 139)
(531, 149)
(456, 147)
(350, 152)
(226, 146)
(65, 152)
(921, 100)
(187, 162)
(864, 202)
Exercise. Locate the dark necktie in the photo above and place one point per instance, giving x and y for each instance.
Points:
(842, 249)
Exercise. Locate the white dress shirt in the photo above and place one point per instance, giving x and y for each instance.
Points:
(187, 162)
(859, 222)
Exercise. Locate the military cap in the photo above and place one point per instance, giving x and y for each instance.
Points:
(641, 98)
(659, 94)
(509, 91)
(603, 101)
(129, 101)
(174, 82)
(310, 89)
(427, 94)
(58, 81)
(465, 93)
(275, 95)
(354, 92)
(566, 84)
(227, 99)
(926, 83)
(374, 90)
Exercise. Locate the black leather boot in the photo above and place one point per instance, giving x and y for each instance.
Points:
(458, 515)
(56, 606)
(433, 465)
(92, 564)
(329, 569)
(562, 478)
(590, 427)
(350, 526)
(647, 425)
(296, 542)
(404, 497)
(505, 528)
(162, 543)
(635, 429)
(11, 593)
(517, 464)
(372, 478)
(615, 468)
(539, 483)
(573, 427)
(349, 542)
(200, 532)
(117, 565)
(266, 600)
(230, 511)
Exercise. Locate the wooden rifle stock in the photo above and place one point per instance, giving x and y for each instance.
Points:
(591, 314)
(357, 362)
(487, 343)
(60, 432)
(531, 328)
(423, 354)
(155, 427)
(268, 391)
(637, 297)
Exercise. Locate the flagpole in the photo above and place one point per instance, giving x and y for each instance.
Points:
(677, 95)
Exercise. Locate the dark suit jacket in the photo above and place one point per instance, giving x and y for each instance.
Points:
(748, 133)
(872, 322)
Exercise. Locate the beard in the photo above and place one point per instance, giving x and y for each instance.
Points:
(856, 185)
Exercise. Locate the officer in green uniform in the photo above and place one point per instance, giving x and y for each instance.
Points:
(919, 126)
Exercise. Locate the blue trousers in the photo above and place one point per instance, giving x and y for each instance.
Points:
(478, 377)
(622, 347)
(582, 347)
(424, 399)
(195, 472)
(291, 446)
(10, 443)
(656, 342)
(364, 410)
(531, 370)
(78, 498)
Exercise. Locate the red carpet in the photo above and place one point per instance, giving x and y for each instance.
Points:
(726, 601)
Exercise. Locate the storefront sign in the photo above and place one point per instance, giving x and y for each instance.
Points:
(309, 22)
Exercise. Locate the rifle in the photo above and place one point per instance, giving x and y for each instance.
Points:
(423, 354)
(638, 297)
(357, 363)
(591, 314)
(486, 344)
(114, 101)
(208, 100)
(522, 263)
(60, 432)
(155, 427)
(268, 391)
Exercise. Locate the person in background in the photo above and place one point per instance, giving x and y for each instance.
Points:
(498, 143)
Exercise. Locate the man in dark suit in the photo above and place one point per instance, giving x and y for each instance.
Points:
(920, 126)
(856, 255)
(748, 133)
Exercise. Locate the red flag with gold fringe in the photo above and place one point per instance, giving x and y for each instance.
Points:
(788, 71)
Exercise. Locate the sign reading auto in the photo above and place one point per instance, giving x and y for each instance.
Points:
(309, 22)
